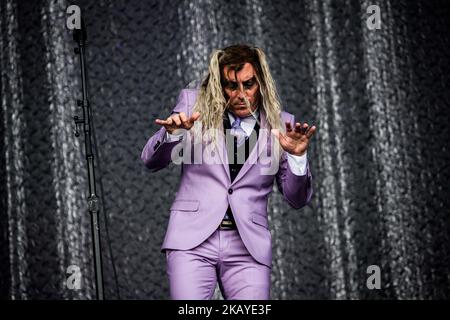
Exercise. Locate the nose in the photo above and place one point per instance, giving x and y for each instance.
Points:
(240, 94)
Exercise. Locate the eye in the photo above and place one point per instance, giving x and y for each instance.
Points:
(249, 84)
(232, 85)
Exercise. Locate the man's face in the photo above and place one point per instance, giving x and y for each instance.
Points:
(241, 86)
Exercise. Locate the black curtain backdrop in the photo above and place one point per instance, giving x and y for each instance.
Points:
(380, 158)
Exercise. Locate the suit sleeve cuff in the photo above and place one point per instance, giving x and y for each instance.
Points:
(297, 164)
(174, 137)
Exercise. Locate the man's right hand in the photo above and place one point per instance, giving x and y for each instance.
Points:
(178, 121)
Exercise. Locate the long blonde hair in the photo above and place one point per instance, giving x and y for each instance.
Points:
(211, 101)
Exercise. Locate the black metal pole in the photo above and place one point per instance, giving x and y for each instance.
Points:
(80, 38)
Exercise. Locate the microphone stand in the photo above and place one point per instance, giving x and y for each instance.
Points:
(79, 36)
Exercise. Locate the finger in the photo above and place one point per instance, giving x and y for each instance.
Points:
(160, 122)
(303, 128)
(311, 131)
(184, 120)
(288, 127)
(194, 117)
(176, 119)
(299, 128)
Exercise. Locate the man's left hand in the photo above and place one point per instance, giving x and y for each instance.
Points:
(296, 140)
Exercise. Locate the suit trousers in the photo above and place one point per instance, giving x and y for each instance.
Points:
(193, 274)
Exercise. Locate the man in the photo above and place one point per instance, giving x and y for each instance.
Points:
(218, 228)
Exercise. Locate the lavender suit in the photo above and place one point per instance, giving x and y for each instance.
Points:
(206, 191)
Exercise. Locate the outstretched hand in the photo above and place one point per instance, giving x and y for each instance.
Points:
(296, 140)
(178, 121)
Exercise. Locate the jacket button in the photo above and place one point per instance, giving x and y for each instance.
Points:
(230, 191)
(156, 145)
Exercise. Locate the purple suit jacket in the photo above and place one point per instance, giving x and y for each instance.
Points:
(206, 191)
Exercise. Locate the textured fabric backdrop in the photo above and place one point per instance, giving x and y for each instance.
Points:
(380, 158)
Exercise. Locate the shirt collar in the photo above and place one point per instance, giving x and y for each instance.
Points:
(246, 119)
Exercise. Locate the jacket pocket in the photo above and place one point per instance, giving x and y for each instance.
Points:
(260, 220)
(185, 205)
